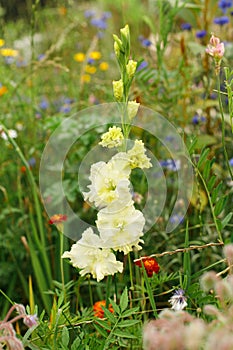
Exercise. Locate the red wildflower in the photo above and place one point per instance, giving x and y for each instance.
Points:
(98, 310)
(150, 265)
(57, 218)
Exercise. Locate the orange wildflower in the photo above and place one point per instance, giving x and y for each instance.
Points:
(3, 90)
(98, 310)
(150, 264)
(57, 218)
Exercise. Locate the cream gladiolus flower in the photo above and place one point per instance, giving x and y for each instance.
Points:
(107, 181)
(112, 138)
(137, 156)
(118, 89)
(131, 68)
(132, 109)
(87, 255)
(121, 229)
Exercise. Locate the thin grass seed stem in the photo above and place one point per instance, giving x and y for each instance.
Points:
(223, 128)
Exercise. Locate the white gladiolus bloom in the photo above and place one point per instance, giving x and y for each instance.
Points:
(107, 181)
(121, 229)
(87, 255)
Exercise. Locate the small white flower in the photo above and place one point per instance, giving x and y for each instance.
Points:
(87, 255)
(12, 133)
(178, 300)
(121, 228)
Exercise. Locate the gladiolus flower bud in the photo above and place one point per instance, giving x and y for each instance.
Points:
(118, 89)
(131, 68)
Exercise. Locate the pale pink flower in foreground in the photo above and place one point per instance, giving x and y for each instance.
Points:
(216, 50)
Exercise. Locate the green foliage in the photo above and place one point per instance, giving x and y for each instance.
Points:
(39, 92)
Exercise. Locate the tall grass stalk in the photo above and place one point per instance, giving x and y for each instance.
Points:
(36, 237)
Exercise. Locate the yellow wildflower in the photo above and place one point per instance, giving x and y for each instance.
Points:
(9, 52)
(79, 57)
(86, 78)
(90, 69)
(95, 55)
(2, 42)
(103, 66)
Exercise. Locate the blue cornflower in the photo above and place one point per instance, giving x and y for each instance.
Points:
(221, 20)
(65, 108)
(170, 164)
(41, 56)
(201, 34)
(231, 162)
(195, 119)
(176, 219)
(178, 300)
(32, 162)
(106, 15)
(99, 23)
(90, 61)
(146, 43)
(142, 65)
(44, 104)
(68, 100)
(186, 26)
(89, 13)
(225, 4)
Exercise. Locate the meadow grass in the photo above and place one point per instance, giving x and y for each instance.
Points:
(62, 60)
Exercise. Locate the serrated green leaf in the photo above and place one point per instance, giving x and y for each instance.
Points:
(124, 300)
(206, 170)
(101, 330)
(192, 145)
(211, 182)
(226, 219)
(65, 337)
(109, 315)
(124, 334)
(128, 323)
(104, 324)
(219, 224)
(129, 312)
(216, 190)
(204, 140)
(219, 206)
(115, 306)
(203, 157)
(75, 344)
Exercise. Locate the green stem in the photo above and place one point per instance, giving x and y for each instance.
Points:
(210, 202)
(130, 272)
(149, 292)
(62, 265)
(90, 291)
(108, 290)
(223, 128)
